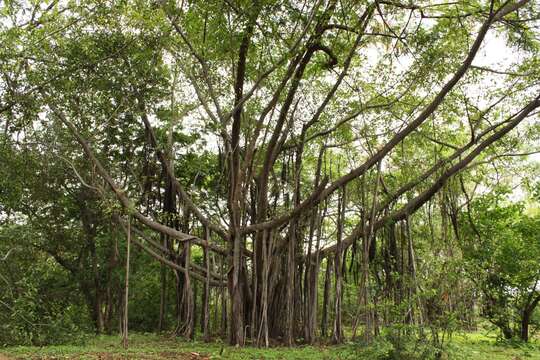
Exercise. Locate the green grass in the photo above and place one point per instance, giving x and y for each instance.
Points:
(148, 346)
(482, 346)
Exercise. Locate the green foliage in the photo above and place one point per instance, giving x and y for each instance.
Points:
(502, 253)
(38, 303)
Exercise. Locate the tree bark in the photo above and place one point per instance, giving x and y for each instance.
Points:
(326, 296)
(126, 288)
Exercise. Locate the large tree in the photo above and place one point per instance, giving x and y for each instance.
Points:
(276, 135)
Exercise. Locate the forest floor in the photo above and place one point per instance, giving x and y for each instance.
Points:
(148, 346)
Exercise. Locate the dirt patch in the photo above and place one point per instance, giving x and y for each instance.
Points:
(4, 357)
(183, 356)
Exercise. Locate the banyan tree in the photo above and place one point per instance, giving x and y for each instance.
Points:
(286, 142)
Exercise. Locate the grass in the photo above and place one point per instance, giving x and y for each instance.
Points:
(482, 346)
(149, 346)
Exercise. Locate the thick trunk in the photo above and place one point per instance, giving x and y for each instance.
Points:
(526, 318)
(524, 331)
(205, 309)
(126, 289)
(267, 250)
(100, 322)
(236, 318)
(326, 295)
(224, 317)
(291, 261)
(338, 331)
(189, 304)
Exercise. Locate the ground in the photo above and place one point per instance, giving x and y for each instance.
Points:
(147, 346)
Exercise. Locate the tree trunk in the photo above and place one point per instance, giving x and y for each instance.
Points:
(291, 261)
(162, 298)
(526, 318)
(338, 331)
(524, 331)
(206, 293)
(189, 304)
(326, 295)
(236, 333)
(126, 288)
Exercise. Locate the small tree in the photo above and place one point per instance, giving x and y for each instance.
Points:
(502, 253)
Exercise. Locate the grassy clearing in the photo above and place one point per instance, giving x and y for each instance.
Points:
(148, 346)
(481, 346)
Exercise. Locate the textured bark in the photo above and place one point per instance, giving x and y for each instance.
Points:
(267, 250)
(312, 262)
(205, 309)
(337, 335)
(326, 297)
(188, 326)
(526, 317)
(126, 288)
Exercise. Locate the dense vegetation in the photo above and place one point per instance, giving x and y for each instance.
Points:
(270, 172)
